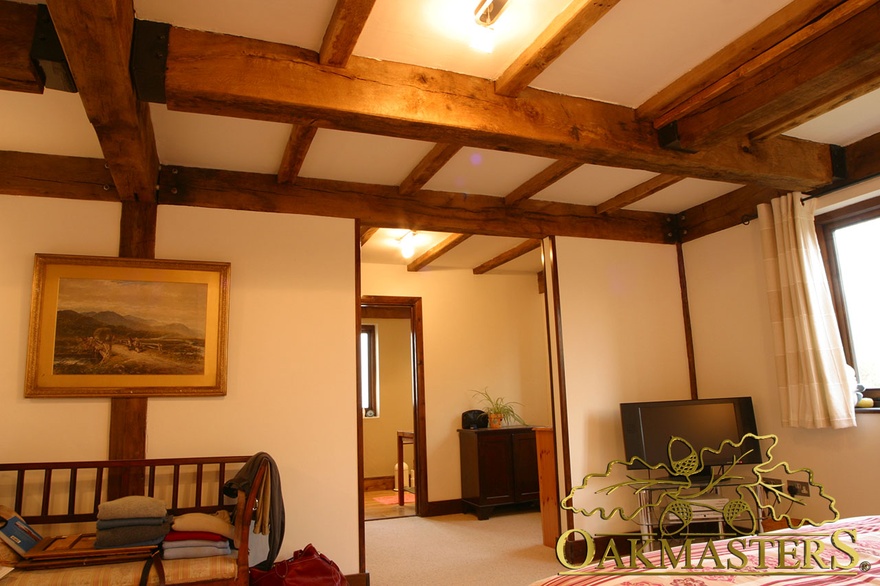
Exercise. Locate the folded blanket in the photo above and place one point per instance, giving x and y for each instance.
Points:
(132, 507)
(111, 523)
(216, 523)
(175, 535)
(195, 543)
(133, 535)
(195, 552)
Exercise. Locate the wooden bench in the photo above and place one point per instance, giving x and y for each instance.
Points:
(67, 494)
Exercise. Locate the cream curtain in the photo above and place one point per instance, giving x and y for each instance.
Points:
(810, 364)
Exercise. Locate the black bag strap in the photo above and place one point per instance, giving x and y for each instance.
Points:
(155, 561)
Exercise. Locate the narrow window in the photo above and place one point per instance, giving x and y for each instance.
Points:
(369, 385)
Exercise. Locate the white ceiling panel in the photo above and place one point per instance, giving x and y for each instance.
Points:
(486, 172)
(591, 184)
(53, 122)
(362, 158)
(641, 46)
(683, 195)
(843, 125)
(199, 140)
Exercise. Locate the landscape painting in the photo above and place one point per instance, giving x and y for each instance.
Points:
(108, 327)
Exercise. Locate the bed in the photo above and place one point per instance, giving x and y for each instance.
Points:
(858, 563)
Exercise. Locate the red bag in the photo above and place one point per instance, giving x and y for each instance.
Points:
(307, 567)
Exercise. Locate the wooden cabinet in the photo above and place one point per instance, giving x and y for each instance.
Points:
(498, 467)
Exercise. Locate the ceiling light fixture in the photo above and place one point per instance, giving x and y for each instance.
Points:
(488, 11)
(408, 244)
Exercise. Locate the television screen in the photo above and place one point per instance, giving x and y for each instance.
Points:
(648, 427)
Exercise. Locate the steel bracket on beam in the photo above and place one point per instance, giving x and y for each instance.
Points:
(149, 57)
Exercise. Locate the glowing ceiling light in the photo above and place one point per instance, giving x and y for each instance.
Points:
(408, 244)
(488, 11)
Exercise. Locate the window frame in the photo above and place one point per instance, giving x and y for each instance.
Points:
(826, 224)
(372, 367)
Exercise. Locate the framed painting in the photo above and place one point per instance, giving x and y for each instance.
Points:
(116, 327)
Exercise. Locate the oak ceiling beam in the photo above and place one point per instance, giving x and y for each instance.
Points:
(809, 73)
(550, 175)
(438, 156)
(367, 232)
(637, 193)
(341, 36)
(728, 210)
(39, 175)
(437, 251)
(96, 36)
(863, 159)
(507, 256)
(223, 75)
(383, 206)
(295, 152)
(775, 29)
(563, 32)
(17, 25)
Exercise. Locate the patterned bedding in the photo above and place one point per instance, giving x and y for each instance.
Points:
(845, 552)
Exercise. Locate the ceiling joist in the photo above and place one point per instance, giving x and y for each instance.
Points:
(506, 257)
(439, 155)
(341, 36)
(541, 181)
(17, 71)
(223, 75)
(437, 251)
(295, 152)
(637, 193)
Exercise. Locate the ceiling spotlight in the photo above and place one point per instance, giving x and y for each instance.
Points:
(488, 11)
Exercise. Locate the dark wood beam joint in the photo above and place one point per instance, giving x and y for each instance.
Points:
(48, 56)
(838, 162)
(149, 56)
(668, 137)
(675, 228)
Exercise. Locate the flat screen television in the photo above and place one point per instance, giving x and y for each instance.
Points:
(648, 427)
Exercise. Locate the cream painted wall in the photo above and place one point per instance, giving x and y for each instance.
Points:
(623, 340)
(41, 429)
(480, 331)
(291, 369)
(734, 356)
(395, 381)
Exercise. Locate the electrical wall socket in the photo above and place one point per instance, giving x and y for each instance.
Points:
(798, 488)
(774, 482)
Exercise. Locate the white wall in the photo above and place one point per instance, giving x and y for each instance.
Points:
(623, 340)
(479, 331)
(734, 356)
(291, 372)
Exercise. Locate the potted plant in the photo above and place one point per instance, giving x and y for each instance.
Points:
(498, 410)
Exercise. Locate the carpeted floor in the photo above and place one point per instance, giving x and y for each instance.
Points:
(458, 549)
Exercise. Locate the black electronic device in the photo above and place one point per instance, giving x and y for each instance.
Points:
(474, 419)
(703, 423)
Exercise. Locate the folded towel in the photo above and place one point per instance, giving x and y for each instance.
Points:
(195, 543)
(132, 507)
(216, 523)
(175, 535)
(112, 523)
(132, 535)
(194, 552)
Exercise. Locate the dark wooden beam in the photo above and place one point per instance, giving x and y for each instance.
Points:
(383, 206)
(17, 25)
(55, 176)
(96, 36)
(437, 251)
(366, 233)
(541, 181)
(818, 68)
(507, 256)
(346, 25)
(775, 29)
(863, 159)
(637, 193)
(726, 211)
(233, 76)
(563, 32)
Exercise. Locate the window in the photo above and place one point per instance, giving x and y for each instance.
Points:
(851, 248)
(369, 385)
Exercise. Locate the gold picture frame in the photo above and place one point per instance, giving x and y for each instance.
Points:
(120, 327)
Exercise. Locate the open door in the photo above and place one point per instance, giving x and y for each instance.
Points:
(392, 400)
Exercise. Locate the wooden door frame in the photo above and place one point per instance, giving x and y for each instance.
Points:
(414, 306)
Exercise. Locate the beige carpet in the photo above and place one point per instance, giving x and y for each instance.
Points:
(458, 550)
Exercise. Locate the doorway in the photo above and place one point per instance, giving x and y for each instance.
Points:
(394, 477)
